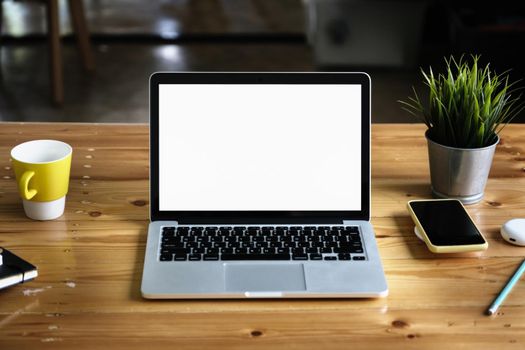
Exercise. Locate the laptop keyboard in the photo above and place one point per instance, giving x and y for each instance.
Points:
(230, 243)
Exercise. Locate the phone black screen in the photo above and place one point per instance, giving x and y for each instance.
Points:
(446, 223)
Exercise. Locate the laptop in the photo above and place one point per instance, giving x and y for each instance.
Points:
(260, 187)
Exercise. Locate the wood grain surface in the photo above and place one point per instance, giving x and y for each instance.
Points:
(87, 295)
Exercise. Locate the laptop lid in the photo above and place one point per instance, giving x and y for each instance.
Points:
(260, 147)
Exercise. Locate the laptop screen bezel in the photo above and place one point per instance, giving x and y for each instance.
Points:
(241, 217)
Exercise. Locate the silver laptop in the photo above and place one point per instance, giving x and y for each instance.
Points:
(260, 187)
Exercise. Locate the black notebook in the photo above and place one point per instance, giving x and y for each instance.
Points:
(14, 270)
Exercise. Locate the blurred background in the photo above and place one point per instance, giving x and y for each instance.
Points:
(90, 60)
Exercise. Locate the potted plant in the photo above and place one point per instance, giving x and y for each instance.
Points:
(467, 108)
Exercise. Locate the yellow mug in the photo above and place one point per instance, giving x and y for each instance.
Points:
(42, 170)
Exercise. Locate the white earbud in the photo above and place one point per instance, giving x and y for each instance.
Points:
(513, 231)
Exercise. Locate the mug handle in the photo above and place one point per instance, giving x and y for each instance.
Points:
(23, 185)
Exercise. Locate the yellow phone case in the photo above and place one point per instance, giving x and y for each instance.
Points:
(445, 249)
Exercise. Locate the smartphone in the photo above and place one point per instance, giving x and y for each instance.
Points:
(445, 226)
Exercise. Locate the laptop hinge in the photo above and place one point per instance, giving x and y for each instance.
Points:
(238, 221)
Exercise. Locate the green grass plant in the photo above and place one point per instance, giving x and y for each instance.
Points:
(468, 105)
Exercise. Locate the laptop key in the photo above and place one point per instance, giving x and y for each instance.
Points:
(211, 257)
(358, 258)
(344, 256)
(342, 250)
(300, 257)
(275, 245)
(171, 246)
(166, 257)
(172, 250)
(194, 257)
(298, 251)
(316, 257)
(168, 234)
(192, 245)
(205, 244)
(268, 250)
(244, 239)
(330, 257)
(255, 257)
(180, 257)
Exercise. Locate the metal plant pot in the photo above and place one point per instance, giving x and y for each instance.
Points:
(459, 173)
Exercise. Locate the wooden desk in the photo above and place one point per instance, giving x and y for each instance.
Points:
(90, 261)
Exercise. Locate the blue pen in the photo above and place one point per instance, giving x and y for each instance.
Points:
(506, 290)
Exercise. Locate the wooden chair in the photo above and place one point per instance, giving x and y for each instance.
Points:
(78, 20)
(76, 10)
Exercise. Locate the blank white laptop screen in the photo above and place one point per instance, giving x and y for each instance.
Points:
(259, 147)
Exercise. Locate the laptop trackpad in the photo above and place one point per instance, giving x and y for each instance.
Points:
(264, 277)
